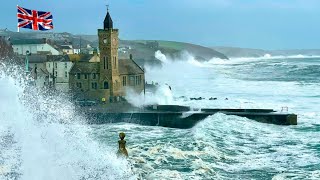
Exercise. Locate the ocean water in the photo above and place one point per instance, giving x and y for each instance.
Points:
(45, 139)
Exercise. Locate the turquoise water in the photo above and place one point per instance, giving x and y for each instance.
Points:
(230, 147)
(47, 140)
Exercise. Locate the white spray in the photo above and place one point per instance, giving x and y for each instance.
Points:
(42, 138)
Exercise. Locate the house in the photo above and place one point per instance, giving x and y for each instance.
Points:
(34, 46)
(50, 71)
(66, 49)
(106, 78)
(88, 50)
(59, 66)
(38, 70)
(76, 50)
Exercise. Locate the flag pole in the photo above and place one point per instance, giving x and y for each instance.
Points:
(18, 28)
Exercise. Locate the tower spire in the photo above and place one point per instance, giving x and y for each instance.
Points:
(108, 23)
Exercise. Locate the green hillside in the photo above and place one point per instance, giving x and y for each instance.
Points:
(201, 52)
(143, 51)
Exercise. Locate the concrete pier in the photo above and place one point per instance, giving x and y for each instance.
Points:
(181, 116)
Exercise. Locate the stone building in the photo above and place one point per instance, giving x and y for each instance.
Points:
(109, 79)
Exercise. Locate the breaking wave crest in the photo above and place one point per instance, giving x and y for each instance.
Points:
(187, 57)
(42, 137)
(243, 147)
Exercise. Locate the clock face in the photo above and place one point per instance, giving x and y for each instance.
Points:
(105, 41)
(114, 40)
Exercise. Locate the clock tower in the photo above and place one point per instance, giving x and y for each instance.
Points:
(109, 62)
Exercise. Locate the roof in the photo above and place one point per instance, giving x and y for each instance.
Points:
(40, 71)
(28, 41)
(95, 58)
(36, 58)
(64, 47)
(108, 23)
(80, 57)
(45, 71)
(85, 67)
(59, 58)
(128, 66)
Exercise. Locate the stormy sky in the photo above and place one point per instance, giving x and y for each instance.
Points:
(267, 24)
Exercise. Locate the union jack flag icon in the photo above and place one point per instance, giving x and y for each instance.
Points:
(32, 19)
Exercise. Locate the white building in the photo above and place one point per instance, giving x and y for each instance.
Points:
(38, 70)
(51, 71)
(60, 67)
(67, 49)
(34, 46)
(76, 51)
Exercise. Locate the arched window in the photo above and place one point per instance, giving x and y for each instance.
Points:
(106, 85)
(105, 62)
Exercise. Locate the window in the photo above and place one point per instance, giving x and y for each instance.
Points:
(49, 64)
(56, 65)
(65, 65)
(105, 62)
(124, 81)
(106, 85)
(85, 76)
(78, 76)
(138, 80)
(56, 74)
(94, 85)
(66, 74)
(94, 76)
(131, 80)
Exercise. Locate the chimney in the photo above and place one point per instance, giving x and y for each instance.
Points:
(131, 56)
